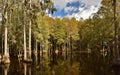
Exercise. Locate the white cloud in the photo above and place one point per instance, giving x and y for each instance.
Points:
(69, 9)
(62, 3)
(91, 6)
(84, 13)
(91, 2)
(81, 9)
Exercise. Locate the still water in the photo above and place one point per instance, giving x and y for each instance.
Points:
(60, 64)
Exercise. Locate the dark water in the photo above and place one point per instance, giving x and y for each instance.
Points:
(75, 64)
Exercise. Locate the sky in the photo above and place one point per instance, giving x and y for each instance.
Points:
(76, 8)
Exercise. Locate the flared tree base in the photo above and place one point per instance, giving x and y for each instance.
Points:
(5, 60)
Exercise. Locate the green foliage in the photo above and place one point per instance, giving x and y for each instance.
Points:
(58, 31)
(90, 33)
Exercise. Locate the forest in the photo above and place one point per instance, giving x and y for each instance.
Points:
(26, 28)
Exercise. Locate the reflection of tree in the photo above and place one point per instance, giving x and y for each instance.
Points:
(27, 69)
(6, 68)
(94, 65)
(84, 65)
(65, 68)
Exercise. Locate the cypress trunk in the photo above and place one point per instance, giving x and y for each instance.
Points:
(30, 35)
(116, 51)
(25, 51)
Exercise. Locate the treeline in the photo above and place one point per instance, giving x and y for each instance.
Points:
(29, 28)
(20, 22)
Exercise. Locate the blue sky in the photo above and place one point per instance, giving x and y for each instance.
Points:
(76, 8)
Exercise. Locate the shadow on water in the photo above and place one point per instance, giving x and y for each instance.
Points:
(75, 64)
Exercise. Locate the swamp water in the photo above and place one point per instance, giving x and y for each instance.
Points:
(75, 64)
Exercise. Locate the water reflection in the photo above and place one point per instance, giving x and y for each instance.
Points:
(57, 64)
(116, 70)
(27, 69)
(5, 69)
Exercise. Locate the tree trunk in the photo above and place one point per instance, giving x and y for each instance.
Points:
(5, 22)
(66, 49)
(71, 52)
(30, 39)
(25, 51)
(116, 51)
(5, 44)
(30, 35)
(36, 46)
(6, 52)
